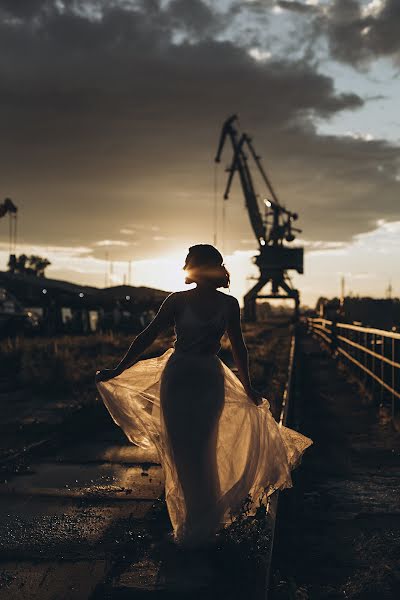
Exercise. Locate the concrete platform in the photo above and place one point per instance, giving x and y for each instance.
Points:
(338, 534)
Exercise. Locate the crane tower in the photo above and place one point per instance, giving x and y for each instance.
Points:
(272, 230)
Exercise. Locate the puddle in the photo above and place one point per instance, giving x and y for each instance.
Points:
(88, 480)
(104, 452)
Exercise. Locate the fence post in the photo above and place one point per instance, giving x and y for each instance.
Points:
(382, 367)
(334, 340)
(393, 380)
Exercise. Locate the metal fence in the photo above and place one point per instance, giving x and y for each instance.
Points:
(374, 355)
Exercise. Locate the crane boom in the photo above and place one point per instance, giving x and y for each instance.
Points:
(240, 164)
(274, 258)
(263, 173)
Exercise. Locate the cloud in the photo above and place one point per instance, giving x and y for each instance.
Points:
(298, 7)
(110, 116)
(359, 33)
(111, 243)
(24, 10)
(194, 18)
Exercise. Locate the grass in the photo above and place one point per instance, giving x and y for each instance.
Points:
(65, 366)
(47, 379)
(50, 369)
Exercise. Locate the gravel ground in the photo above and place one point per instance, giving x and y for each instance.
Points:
(338, 535)
(81, 510)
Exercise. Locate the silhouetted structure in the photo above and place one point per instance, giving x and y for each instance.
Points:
(271, 231)
(52, 306)
(382, 313)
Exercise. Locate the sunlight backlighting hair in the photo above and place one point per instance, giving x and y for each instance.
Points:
(205, 264)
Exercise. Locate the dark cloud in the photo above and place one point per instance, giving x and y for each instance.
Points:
(24, 9)
(344, 26)
(357, 34)
(194, 17)
(110, 117)
(297, 7)
(383, 37)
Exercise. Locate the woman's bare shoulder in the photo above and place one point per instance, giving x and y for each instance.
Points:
(177, 299)
(231, 303)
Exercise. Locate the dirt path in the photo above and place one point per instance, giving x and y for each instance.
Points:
(338, 532)
(82, 516)
(85, 519)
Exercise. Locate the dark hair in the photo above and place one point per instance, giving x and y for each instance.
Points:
(205, 263)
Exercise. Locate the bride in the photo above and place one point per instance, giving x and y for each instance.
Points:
(215, 435)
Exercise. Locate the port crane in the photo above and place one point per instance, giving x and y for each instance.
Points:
(271, 230)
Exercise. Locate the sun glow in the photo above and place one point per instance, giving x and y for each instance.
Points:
(166, 272)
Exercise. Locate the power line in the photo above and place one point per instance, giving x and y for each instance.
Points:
(215, 238)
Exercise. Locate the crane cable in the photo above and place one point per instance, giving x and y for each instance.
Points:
(216, 213)
(223, 224)
(215, 238)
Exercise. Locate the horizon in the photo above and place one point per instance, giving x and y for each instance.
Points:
(112, 114)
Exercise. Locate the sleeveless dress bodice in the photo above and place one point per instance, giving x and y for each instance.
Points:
(199, 336)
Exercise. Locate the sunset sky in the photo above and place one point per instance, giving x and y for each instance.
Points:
(110, 118)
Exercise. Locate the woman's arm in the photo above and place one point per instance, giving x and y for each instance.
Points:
(163, 319)
(239, 350)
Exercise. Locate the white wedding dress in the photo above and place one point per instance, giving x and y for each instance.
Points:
(215, 445)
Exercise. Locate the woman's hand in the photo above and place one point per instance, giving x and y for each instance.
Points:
(255, 396)
(105, 375)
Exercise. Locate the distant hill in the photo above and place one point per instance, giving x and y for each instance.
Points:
(120, 292)
(29, 289)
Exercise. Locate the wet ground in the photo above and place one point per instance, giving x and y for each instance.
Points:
(338, 531)
(82, 514)
(83, 517)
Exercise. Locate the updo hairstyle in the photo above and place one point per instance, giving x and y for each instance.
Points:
(205, 264)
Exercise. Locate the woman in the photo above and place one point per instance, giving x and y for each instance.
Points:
(215, 435)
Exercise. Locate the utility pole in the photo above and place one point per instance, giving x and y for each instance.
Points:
(389, 290)
(342, 289)
(106, 271)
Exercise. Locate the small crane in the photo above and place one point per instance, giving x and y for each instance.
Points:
(274, 258)
(8, 207)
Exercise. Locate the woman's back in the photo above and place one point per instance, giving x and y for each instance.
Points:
(200, 321)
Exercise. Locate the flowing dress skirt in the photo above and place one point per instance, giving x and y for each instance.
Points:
(215, 445)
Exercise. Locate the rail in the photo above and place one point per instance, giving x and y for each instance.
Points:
(274, 499)
(373, 354)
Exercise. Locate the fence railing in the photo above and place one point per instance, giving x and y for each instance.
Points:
(374, 354)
